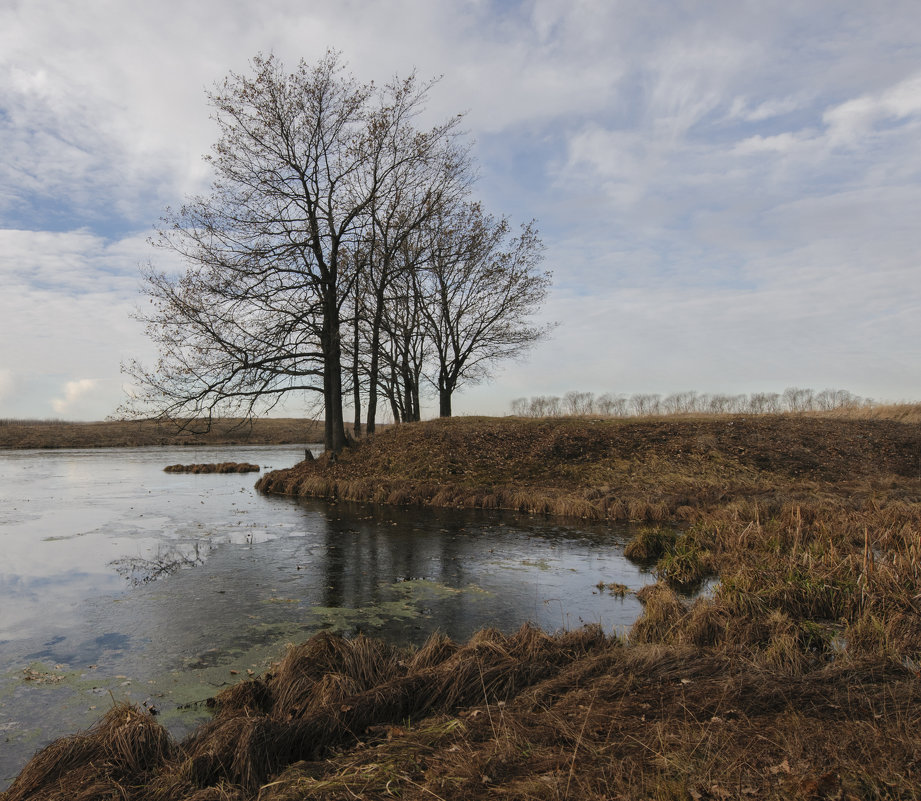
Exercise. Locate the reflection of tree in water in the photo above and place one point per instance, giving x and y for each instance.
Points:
(139, 570)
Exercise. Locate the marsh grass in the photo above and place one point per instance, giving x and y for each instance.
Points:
(654, 471)
(650, 544)
(797, 677)
(531, 716)
(221, 467)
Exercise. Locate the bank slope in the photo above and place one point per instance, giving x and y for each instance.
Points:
(653, 469)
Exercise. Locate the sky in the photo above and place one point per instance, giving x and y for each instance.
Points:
(729, 191)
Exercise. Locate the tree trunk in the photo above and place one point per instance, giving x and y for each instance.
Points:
(334, 427)
(374, 367)
(444, 402)
(417, 410)
(356, 386)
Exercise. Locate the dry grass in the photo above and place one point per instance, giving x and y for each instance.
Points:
(650, 543)
(574, 716)
(139, 433)
(221, 467)
(798, 677)
(643, 470)
(900, 412)
(122, 751)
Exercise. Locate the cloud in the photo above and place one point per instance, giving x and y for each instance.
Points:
(781, 143)
(766, 110)
(7, 383)
(850, 122)
(66, 302)
(711, 178)
(74, 393)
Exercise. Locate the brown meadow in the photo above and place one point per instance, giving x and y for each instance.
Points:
(141, 433)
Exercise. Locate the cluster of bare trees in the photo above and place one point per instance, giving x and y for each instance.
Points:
(581, 404)
(337, 253)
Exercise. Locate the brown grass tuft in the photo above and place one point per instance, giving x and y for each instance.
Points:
(662, 612)
(126, 747)
(222, 467)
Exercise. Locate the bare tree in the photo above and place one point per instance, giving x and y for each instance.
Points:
(303, 164)
(764, 403)
(405, 349)
(544, 406)
(478, 291)
(610, 405)
(435, 178)
(798, 399)
(829, 399)
(579, 404)
(679, 402)
(519, 407)
(645, 404)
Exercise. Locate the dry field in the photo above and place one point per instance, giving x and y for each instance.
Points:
(138, 433)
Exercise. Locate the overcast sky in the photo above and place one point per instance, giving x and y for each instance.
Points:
(729, 192)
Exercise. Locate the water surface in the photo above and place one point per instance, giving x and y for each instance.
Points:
(121, 582)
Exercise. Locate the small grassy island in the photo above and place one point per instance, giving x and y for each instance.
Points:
(798, 676)
(220, 467)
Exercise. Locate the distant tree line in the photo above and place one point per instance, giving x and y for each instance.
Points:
(339, 254)
(584, 404)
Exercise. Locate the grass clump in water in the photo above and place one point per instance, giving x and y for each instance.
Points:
(686, 562)
(221, 467)
(650, 543)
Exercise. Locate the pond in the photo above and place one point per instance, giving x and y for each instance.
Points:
(119, 582)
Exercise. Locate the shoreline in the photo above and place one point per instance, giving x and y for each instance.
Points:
(653, 470)
(797, 677)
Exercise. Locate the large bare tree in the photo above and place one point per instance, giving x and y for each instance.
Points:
(304, 165)
(332, 211)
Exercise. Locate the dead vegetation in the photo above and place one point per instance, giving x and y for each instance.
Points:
(221, 467)
(797, 676)
(141, 433)
(528, 716)
(652, 470)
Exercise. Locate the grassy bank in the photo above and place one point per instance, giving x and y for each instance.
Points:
(138, 433)
(799, 676)
(655, 469)
(527, 716)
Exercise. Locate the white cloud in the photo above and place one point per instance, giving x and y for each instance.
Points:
(74, 393)
(850, 122)
(66, 304)
(7, 383)
(766, 110)
(781, 143)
